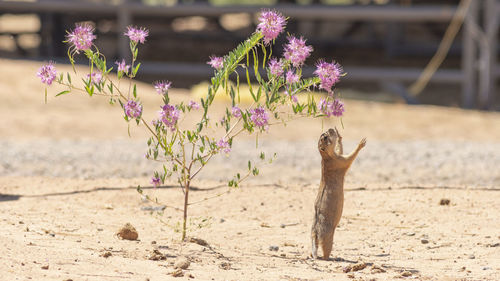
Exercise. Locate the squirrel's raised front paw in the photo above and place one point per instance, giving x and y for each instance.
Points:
(362, 143)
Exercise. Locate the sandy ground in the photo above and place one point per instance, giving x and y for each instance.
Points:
(68, 174)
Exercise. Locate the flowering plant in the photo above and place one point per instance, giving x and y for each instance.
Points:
(186, 150)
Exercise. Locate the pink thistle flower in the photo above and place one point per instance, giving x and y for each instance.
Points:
(224, 145)
(292, 77)
(133, 109)
(271, 24)
(329, 73)
(296, 51)
(122, 66)
(47, 73)
(276, 67)
(259, 117)
(137, 34)
(329, 108)
(216, 62)
(81, 37)
(193, 105)
(95, 77)
(162, 87)
(236, 111)
(155, 181)
(169, 116)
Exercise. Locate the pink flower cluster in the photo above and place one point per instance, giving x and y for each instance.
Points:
(137, 34)
(329, 74)
(292, 77)
(236, 112)
(133, 109)
(296, 51)
(47, 73)
(95, 77)
(193, 105)
(329, 108)
(162, 87)
(224, 145)
(216, 62)
(271, 24)
(81, 37)
(155, 181)
(122, 66)
(259, 117)
(276, 67)
(169, 116)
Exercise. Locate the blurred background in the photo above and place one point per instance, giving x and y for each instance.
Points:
(384, 45)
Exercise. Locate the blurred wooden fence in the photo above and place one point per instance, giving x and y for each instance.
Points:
(478, 73)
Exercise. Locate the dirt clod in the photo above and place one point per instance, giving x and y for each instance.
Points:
(182, 263)
(225, 265)
(128, 232)
(106, 254)
(45, 267)
(424, 241)
(444, 202)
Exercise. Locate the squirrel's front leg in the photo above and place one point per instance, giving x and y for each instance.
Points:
(346, 161)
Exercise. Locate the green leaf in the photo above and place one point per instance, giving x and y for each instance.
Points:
(63, 93)
(134, 72)
(134, 91)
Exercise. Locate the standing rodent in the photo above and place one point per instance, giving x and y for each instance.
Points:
(330, 199)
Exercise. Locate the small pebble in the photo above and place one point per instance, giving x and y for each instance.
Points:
(274, 248)
(424, 241)
(182, 263)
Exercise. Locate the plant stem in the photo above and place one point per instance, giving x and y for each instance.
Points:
(184, 219)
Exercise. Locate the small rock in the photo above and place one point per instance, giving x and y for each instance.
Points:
(410, 234)
(350, 275)
(45, 267)
(377, 269)
(177, 273)
(444, 202)
(156, 256)
(182, 263)
(359, 266)
(347, 269)
(264, 225)
(424, 241)
(406, 273)
(190, 275)
(106, 255)
(222, 220)
(198, 241)
(225, 265)
(128, 232)
(493, 245)
(472, 257)
(153, 242)
(486, 268)
(274, 248)
(21, 222)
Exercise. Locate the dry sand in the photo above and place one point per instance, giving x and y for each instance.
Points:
(68, 173)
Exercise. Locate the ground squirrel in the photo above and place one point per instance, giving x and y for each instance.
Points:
(330, 199)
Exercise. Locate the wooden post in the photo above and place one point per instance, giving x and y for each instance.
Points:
(124, 20)
(469, 55)
(491, 23)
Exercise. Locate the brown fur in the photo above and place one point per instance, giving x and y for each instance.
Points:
(330, 199)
